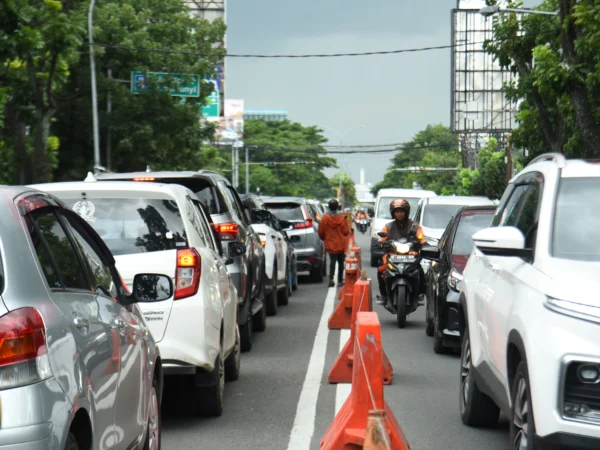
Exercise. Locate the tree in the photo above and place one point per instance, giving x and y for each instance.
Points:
(284, 142)
(348, 192)
(39, 42)
(435, 146)
(556, 59)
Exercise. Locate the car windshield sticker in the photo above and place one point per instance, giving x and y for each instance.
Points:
(169, 235)
(86, 210)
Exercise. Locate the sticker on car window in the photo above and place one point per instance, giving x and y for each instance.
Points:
(85, 209)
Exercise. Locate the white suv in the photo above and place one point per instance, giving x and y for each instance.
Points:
(162, 228)
(531, 309)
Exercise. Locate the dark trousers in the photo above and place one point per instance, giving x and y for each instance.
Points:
(340, 259)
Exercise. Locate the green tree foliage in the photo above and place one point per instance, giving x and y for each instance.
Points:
(348, 192)
(283, 142)
(557, 60)
(435, 146)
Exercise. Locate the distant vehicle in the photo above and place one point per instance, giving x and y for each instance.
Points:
(162, 228)
(310, 249)
(529, 310)
(382, 214)
(79, 367)
(222, 202)
(444, 278)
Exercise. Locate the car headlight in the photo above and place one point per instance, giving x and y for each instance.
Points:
(454, 280)
(577, 310)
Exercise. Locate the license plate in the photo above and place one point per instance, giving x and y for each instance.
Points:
(402, 258)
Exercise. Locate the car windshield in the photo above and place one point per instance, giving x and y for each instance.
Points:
(576, 233)
(468, 225)
(438, 216)
(286, 211)
(383, 210)
(132, 225)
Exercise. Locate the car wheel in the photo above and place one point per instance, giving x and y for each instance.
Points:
(295, 280)
(438, 337)
(476, 408)
(246, 332)
(71, 442)
(374, 261)
(522, 424)
(153, 435)
(271, 296)
(210, 399)
(233, 361)
(283, 296)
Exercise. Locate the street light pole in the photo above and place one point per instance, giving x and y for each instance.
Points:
(488, 11)
(94, 93)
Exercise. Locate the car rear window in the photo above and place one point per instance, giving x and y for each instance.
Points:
(131, 225)
(286, 211)
(383, 209)
(468, 225)
(438, 216)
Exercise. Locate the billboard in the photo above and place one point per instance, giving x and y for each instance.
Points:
(230, 129)
(478, 103)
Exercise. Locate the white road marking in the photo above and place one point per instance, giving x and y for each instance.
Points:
(342, 391)
(304, 422)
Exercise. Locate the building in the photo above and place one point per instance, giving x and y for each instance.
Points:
(265, 114)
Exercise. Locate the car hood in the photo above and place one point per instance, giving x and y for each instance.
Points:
(435, 233)
(575, 281)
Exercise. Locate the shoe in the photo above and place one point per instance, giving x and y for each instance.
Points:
(340, 283)
(421, 300)
(331, 283)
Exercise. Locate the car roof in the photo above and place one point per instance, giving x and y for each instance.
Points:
(10, 192)
(283, 199)
(121, 186)
(580, 168)
(159, 174)
(458, 200)
(412, 193)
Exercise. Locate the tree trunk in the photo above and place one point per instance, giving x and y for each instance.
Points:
(18, 131)
(42, 172)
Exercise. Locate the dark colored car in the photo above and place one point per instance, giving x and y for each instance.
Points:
(220, 199)
(443, 278)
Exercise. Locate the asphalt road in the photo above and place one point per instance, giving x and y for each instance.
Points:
(261, 408)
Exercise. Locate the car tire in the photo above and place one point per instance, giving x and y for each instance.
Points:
(476, 408)
(428, 322)
(401, 294)
(209, 400)
(154, 431)
(283, 296)
(295, 280)
(438, 337)
(316, 275)
(374, 261)
(233, 361)
(71, 443)
(246, 332)
(271, 296)
(522, 427)
(289, 282)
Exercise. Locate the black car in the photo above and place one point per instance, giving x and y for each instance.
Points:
(443, 278)
(232, 224)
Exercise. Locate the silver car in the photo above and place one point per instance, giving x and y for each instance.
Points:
(78, 366)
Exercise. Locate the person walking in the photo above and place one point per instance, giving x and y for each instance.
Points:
(333, 230)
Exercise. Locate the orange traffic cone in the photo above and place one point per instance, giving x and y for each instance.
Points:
(342, 315)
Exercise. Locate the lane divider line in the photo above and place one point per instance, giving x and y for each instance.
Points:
(342, 390)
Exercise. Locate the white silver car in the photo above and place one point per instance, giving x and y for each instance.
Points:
(78, 365)
(161, 228)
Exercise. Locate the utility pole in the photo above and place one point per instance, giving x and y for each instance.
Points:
(232, 164)
(247, 173)
(108, 112)
(94, 93)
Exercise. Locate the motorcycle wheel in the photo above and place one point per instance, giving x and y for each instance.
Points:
(401, 294)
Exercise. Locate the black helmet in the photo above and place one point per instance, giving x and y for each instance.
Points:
(399, 204)
(333, 204)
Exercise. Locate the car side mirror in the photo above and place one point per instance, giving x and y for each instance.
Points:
(149, 288)
(502, 241)
(431, 252)
(382, 234)
(261, 215)
(236, 249)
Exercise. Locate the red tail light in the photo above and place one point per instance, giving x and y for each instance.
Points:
(308, 223)
(227, 231)
(187, 279)
(23, 352)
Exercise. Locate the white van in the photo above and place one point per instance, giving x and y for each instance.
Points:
(382, 213)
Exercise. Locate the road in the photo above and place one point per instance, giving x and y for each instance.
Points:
(261, 408)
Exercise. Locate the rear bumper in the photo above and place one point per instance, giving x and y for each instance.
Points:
(306, 263)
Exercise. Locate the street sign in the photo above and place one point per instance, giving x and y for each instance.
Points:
(181, 89)
(212, 109)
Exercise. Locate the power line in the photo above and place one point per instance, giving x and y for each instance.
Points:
(397, 148)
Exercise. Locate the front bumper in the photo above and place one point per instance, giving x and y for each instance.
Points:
(450, 323)
(561, 441)
(34, 417)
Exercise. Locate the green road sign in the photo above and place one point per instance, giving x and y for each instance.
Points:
(211, 109)
(180, 89)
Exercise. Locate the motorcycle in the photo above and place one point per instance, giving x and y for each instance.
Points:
(362, 224)
(402, 276)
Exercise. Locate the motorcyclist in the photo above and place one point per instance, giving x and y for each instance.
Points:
(362, 215)
(400, 228)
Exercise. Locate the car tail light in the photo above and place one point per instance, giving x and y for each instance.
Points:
(308, 223)
(187, 278)
(23, 352)
(227, 231)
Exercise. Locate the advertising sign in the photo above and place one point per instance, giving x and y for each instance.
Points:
(231, 126)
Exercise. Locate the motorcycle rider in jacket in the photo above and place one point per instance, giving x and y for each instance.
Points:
(400, 228)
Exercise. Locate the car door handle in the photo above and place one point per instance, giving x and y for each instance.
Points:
(81, 322)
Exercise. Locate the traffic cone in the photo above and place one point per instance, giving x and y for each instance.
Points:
(349, 428)
(342, 315)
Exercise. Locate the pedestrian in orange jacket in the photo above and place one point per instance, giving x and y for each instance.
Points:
(333, 230)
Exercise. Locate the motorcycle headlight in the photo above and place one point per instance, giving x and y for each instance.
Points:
(454, 280)
(577, 310)
(402, 248)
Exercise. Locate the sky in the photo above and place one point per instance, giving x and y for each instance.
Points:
(368, 99)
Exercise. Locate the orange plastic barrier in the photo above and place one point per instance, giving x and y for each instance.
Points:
(341, 371)
(349, 428)
(342, 315)
(377, 437)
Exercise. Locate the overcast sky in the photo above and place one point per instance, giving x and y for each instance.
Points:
(392, 97)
